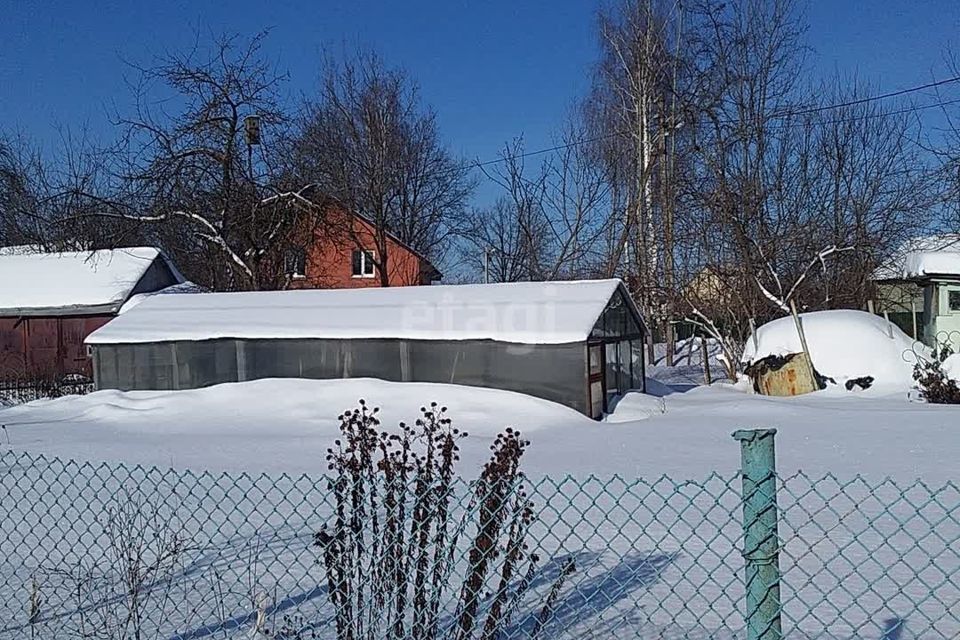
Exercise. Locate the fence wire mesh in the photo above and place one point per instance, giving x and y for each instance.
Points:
(114, 551)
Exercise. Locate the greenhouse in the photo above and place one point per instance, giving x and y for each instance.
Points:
(579, 343)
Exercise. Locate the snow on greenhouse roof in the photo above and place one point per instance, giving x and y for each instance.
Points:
(34, 283)
(527, 312)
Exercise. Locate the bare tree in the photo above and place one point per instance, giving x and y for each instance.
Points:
(20, 219)
(789, 198)
(45, 200)
(369, 142)
(189, 178)
(550, 220)
(634, 109)
(502, 241)
(945, 145)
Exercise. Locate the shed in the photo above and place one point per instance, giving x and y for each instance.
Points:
(50, 302)
(578, 343)
(931, 272)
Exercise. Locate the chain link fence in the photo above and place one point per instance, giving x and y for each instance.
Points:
(114, 551)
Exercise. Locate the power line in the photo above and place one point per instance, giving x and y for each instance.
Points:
(882, 96)
(878, 114)
(780, 116)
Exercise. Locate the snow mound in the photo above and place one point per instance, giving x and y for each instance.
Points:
(951, 367)
(269, 424)
(635, 406)
(286, 426)
(844, 345)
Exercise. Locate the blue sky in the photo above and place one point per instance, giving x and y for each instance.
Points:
(492, 69)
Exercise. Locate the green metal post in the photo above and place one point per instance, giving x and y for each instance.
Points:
(760, 539)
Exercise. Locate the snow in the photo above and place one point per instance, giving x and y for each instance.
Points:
(276, 425)
(34, 281)
(844, 344)
(185, 286)
(907, 260)
(951, 366)
(639, 406)
(527, 312)
(687, 370)
(927, 263)
(668, 516)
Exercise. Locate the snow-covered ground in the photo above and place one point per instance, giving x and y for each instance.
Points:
(658, 556)
(687, 370)
(286, 426)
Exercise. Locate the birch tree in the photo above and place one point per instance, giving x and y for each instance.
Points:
(635, 110)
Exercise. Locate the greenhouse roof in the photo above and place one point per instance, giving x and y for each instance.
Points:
(527, 313)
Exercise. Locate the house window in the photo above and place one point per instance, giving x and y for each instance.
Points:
(295, 262)
(953, 299)
(363, 264)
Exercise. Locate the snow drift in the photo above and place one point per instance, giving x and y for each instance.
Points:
(285, 426)
(844, 345)
(951, 367)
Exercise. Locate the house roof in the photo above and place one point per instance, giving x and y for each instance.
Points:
(35, 283)
(921, 257)
(527, 313)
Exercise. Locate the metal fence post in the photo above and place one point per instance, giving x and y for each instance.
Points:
(760, 539)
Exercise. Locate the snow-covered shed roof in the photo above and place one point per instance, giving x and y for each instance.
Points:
(527, 312)
(34, 283)
(922, 256)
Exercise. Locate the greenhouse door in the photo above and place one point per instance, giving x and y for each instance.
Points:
(614, 367)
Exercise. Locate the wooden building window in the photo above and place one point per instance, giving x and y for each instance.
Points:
(363, 264)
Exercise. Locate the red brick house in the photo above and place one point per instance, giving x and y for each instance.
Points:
(50, 303)
(341, 253)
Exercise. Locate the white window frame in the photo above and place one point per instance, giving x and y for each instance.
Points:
(368, 257)
(950, 308)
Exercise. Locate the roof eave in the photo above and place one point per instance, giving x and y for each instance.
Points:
(919, 278)
(66, 310)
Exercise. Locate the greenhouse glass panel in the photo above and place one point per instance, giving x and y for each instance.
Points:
(612, 369)
(623, 359)
(636, 357)
(207, 362)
